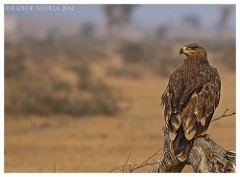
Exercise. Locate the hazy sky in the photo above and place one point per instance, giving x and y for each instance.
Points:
(144, 14)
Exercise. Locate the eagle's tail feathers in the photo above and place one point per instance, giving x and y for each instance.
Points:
(181, 146)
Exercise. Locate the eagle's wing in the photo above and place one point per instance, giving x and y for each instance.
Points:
(193, 105)
(199, 110)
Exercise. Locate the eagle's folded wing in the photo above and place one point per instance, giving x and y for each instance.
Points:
(195, 107)
(199, 110)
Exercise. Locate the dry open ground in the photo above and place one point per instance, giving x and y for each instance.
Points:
(99, 143)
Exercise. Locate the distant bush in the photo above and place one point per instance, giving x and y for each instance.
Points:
(229, 56)
(84, 75)
(225, 50)
(14, 65)
(147, 52)
(54, 75)
(132, 52)
(124, 71)
(53, 87)
(165, 65)
(86, 50)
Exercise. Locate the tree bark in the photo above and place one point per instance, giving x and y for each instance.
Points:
(205, 156)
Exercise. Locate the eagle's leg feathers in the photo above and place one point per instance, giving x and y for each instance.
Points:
(168, 161)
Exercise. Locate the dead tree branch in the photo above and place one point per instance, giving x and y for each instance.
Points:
(125, 164)
(129, 167)
(224, 115)
(146, 162)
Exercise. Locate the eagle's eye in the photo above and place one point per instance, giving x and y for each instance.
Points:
(190, 48)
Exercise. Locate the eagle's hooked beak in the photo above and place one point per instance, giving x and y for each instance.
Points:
(181, 51)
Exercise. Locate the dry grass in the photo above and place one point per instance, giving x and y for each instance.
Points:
(98, 143)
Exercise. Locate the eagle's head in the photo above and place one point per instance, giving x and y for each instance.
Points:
(193, 50)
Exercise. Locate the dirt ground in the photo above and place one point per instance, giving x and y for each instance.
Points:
(99, 143)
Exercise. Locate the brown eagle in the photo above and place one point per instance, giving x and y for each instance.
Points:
(190, 99)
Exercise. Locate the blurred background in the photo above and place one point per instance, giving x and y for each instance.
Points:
(83, 82)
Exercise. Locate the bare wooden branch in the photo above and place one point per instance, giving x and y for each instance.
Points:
(125, 164)
(224, 115)
(146, 162)
(207, 156)
(128, 167)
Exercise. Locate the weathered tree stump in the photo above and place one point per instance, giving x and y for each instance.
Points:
(205, 156)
